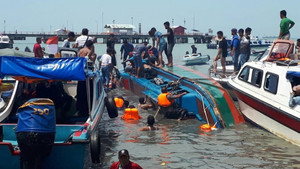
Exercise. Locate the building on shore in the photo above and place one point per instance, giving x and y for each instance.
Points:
(178, 30)
(119, 29)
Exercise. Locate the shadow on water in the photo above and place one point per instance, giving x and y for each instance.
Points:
(182, 144)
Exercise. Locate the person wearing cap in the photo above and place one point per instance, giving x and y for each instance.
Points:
(81, 41)
(285, 25)
(71, 38)
(124, 161)
(126, 48)
(235, 49)
(161, 44)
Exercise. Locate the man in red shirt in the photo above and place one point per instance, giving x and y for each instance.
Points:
(124, 162)
(38, 53)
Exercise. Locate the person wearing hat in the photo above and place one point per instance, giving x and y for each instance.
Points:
(235, 49)
(126, 48)
(81, 41)
(124, 161)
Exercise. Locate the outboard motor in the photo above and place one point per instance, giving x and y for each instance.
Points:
(35, 131)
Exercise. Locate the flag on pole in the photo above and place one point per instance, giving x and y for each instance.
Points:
(52, 44)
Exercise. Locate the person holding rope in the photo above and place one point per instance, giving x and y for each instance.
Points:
(167, 108)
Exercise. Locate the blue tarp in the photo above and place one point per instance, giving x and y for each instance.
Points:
(291, 74)
(50, 69)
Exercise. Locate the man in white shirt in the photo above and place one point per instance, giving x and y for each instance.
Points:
(80, 42)
(243, 48)
(105, 65)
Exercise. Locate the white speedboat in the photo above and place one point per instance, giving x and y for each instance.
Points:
(263, 89)
(195, 59)
(5, 42)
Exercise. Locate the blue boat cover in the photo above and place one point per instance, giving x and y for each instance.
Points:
(291, 74)
(43, 68)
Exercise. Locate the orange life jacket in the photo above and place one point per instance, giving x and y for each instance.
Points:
(131, 114)
(163, 100)
(119, 102)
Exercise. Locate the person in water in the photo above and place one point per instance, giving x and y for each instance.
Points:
(167, 106)
(124, 161)
(145, 103)
(150, 124)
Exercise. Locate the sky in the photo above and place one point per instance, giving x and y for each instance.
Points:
(48, 15)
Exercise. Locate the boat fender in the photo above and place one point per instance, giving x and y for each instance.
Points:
(95, 146)
(111, 107)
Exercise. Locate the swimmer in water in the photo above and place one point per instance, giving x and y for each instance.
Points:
(150, 126)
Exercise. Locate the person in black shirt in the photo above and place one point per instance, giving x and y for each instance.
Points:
(111, 45)
(247, 35)
(222, 53)
(171, 43)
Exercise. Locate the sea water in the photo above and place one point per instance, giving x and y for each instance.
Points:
(180, 145)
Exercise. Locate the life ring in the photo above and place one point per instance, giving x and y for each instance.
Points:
(111, 107)
(95, 146)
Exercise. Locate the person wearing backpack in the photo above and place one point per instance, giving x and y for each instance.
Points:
(81, 41)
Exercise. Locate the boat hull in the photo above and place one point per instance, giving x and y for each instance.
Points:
(192, 60)
(269, 123)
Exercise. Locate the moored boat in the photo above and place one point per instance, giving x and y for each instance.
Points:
(195, 59)
(264, 89)
(75, 132)
(5, 42)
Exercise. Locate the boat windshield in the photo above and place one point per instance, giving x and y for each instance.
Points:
(279, 51)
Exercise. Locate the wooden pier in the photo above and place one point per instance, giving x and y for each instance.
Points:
(102, 38)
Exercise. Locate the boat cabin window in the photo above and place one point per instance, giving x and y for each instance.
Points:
(256, 77)
(244, 75)
(279, 51)
(271, 83)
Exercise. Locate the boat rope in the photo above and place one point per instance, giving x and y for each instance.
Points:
(204, 108)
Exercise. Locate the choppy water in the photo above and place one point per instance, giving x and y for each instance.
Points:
(181, 145)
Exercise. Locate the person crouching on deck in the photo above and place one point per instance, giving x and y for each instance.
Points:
(166, 105)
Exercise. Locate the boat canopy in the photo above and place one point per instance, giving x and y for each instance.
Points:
(291, 74)
(43, 68)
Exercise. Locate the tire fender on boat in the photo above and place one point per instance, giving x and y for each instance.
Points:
(95, 146)
(111, 106)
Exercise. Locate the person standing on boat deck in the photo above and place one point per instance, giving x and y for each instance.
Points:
(81, 41)
(243, 45)
(126, 48)
(71, 38)
(88, 51)
(295, 96)
(140, 53)
(111, 44)
(105, 65)
(124, 161)
(222, 52)
(37, 49)
(235, 49)
(171, 43)
(248, 47)
(285, 25)
(161, 44)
